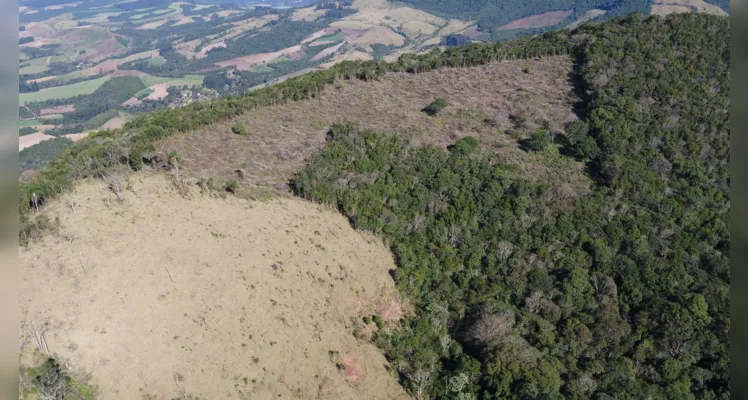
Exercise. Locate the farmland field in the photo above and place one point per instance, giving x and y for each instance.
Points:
(61, 92)
(32, 69)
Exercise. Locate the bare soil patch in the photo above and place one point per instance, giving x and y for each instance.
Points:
(132, 101)
(57, 110)
(247, 62)
(159, 91)
(114, 123)
(537, 21)
(212, 297)
(485, 102)
(32, 139)
(321, 43)
(44, 79)
(664, 7)
(76, 136)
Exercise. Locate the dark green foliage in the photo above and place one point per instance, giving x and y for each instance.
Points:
(26, 131)
(239, 129)
(367, 320)
(539, 140)
(624, 296)
(435, 107)
(378, 321)
(38, 155)
(380, 50)
(455, 39)
(27, 39)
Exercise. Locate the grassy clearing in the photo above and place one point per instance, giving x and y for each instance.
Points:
(334, 37)
(280, 59)
(261, 68)
(62, 92)
(32, 69)
(143, 93)
(156, 61)
(28, 122)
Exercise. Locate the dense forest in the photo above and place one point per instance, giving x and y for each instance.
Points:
(518, 290)
(492, 14)
(522, 293)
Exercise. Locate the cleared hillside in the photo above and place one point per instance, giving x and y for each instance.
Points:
(497, 103)
(162, 295)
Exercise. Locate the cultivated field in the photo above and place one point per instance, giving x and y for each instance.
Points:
(166, 296)
(63, 92)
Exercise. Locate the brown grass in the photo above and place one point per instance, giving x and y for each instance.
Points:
(281, 139)
(247, 62)
(238, 299)
(537, 21)
(664, 7)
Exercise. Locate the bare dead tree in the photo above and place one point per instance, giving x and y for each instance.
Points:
(72, 204)
(41, 342)
(35, 201)
(117, 183)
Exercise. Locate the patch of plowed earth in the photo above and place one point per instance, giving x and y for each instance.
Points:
(487, 102)
(163, 296)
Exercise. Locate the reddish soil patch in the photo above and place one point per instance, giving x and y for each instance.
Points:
(247, 62)
(132, 101)
(537, 21)
(32, 139)
(353, 370)
(58, 109)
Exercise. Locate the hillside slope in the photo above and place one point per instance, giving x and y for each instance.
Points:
(162, 295)
(559, 217)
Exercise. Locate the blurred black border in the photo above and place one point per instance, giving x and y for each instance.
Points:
(9, 324)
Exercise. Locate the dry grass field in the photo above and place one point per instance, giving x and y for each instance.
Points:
(193, 295)
(486, 102)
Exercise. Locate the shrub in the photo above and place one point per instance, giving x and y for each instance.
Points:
(539, 140)
(436, 106)
(378, 321)
(231, 186)
(239, 129)
(367, 320)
